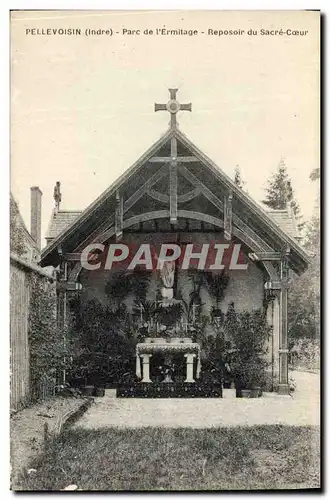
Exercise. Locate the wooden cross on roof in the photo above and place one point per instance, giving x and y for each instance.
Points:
(57, 196)
(173, 106)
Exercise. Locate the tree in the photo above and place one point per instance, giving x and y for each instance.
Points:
(16, 232)
(304, 297)
(315, 174)
(238, 178)
(279, 191)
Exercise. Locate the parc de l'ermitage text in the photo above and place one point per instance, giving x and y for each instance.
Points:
(164, 31)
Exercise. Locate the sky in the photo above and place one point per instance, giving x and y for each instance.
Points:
(82, 108)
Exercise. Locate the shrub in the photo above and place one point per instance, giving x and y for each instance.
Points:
(249, 335)
(48, 348)
(305, 353)
(103, 342)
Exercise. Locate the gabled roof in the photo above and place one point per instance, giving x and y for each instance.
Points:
(278, 225)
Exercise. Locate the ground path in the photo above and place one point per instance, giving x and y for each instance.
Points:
(300, 409)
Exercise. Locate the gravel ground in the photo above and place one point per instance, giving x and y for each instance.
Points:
(303, 408)
(27, 430)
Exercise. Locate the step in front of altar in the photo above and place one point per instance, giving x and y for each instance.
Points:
(170, 390)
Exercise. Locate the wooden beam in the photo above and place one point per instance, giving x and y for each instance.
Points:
(219, 205)
(72, 257)
(157, 214)
(119, 216)
(228, 216)
(168, 159)
(162, 197)
(157, 176)
(173, 193)
(273, 285)
(266, 256)
(202, 188)
(251, 233)
(102, 228)
(186, 214)
(68, 286)
(190, 195)
(92, 238)
(182, 198)
(174, 182)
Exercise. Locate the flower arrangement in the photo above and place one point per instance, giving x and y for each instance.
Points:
(166, 370)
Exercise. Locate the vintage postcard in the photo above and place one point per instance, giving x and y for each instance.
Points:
(165, 250)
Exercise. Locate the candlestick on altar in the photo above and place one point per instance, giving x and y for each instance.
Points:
(185, 326)
(194, 306)
(141, 309)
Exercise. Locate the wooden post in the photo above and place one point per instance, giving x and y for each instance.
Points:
(62, 305)
(173, 183)
(228, 216)
(283, 387)
(119, 216)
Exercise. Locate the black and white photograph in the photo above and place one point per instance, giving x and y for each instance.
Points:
(165, 250)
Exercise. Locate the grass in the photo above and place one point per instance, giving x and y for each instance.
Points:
(260, 457)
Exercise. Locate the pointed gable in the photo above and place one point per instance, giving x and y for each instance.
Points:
(200, 189)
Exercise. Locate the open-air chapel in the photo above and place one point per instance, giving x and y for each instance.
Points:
(174, 280)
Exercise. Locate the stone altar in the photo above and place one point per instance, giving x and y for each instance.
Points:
(144, 351)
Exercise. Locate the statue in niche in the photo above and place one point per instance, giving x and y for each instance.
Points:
(167, 274)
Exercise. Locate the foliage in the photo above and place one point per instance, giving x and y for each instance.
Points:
(193, 306)
(196, 278)
(118, 288)
(144, 310)
(315, 174)
(123, 284)
(217, 284)
(169, 315)
(16, 231)
(305, 354)
(213, 365)
(140, 282)
(48, 347)
(103, 342)
(279, 191)
(304, 295)
(249, 335)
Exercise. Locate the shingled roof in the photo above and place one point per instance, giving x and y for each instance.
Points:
(286, 221)
(60, 221)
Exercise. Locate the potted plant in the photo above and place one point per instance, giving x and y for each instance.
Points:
(88, 390)
(99, 392)
(250, 333)
(217, 284)
(250, 377)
